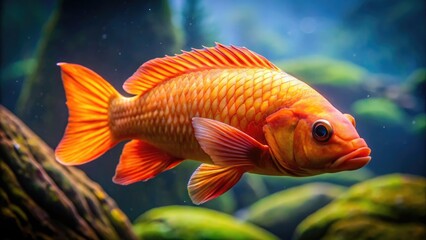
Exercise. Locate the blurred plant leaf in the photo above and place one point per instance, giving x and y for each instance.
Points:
(18, 69)
(379, 110)
(320, 70)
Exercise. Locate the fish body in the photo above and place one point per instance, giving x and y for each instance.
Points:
(227, 107)
(241, 98)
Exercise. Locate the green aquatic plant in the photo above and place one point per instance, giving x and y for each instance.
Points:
(184, 222)
(320, 70)
(379, 110)
(17, 69)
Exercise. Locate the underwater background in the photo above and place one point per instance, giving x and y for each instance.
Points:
(367, 57)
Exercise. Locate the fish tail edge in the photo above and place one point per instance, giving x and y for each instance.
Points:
(87, 135)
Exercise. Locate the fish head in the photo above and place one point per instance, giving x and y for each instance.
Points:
(312, 140)
(329, 143)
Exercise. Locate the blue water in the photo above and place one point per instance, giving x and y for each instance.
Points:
(385, 38)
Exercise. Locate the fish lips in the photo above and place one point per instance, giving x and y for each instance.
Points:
(353, 160)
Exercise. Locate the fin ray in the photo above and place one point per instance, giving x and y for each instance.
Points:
(226, 145)
(158, 70)
(141, 161)
(87, 135)
(211, 181)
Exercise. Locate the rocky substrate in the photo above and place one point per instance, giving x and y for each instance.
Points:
(41, 199)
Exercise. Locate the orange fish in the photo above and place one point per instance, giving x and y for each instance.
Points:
(224, 106)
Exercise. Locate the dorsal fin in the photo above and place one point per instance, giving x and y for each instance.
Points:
(160, 69)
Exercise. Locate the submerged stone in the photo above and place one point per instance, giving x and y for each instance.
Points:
(184, 222)
(42, 199)
(387, 207)
(281, 212)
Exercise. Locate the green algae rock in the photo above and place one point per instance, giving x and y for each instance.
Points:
(184, 222)
(281, 212)
(253, 187)
(379, 109)
(41, 199)
(324, 71)
(346, 178)
(388, 207)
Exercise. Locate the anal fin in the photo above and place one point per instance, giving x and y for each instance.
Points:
(141, 161)
(211, 181)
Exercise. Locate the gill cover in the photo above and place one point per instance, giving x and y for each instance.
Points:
(279, 133)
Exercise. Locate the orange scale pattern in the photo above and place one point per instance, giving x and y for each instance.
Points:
(242, 98)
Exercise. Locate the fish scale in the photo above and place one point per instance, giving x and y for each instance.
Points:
(224, 95)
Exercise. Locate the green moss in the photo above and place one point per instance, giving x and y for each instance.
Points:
(324, 71)
(37, 200)
(183, 222)
(379, 110)
(361, 228)
(392, 204)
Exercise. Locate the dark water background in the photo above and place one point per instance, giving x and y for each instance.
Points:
(383, 39)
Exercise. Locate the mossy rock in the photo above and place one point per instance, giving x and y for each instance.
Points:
(387, 207)
(253, 187)
(184, 222)
(346, 178)
(319, 70)
(380, 110)
(42, 199)
(280, 213)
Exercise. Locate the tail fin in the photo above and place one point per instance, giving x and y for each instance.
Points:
(87, 135)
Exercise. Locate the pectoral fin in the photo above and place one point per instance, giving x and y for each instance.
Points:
(227, 145)
(211, 181)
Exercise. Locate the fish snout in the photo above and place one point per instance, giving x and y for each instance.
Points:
(355, 159)
(359, 143)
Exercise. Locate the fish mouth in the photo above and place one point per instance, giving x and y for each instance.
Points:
(353, 160)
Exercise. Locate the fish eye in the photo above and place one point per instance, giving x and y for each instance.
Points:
(322, 130)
